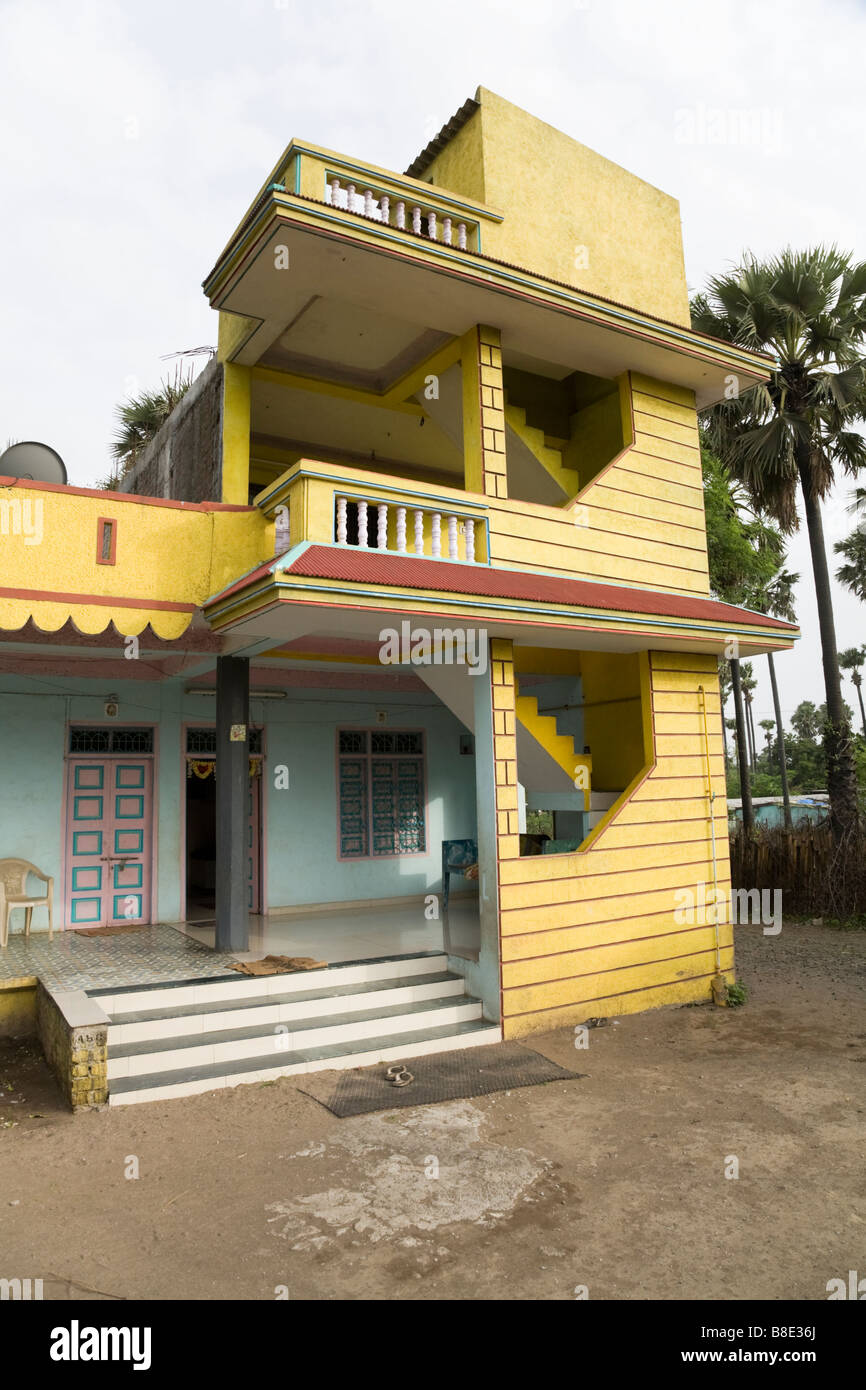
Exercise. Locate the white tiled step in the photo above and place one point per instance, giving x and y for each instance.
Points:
(249, 987)
(212, 1015)
(362, 1053)
(302, 1035)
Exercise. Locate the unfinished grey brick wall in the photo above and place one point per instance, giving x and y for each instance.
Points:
(184, 460)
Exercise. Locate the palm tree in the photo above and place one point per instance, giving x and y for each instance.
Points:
(768, 725)
(852, 660)
(853, 574)
(749, 684)
(778, 599)
(808, 310)
(141, 417)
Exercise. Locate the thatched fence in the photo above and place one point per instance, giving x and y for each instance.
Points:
(817, 876)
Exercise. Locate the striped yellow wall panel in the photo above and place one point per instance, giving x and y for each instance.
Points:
(596, 931)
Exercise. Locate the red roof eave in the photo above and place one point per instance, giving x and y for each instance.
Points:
(483, 581)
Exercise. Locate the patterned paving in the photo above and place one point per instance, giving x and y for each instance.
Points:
(72, 961)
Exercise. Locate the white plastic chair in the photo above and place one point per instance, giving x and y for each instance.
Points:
(13, 893)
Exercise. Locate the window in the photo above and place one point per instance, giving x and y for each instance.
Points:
(203, 741)
(88, 738)
(381, 780)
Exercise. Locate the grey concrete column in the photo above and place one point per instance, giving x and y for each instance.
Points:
(232, 801)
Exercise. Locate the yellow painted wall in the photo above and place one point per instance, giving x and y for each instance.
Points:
(612, 722)
(164, 552)
(639, 521)
(594, 932)
(558, 197)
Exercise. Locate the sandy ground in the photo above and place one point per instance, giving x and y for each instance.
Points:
(615, 1183)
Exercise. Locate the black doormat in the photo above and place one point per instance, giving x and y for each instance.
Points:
(474, 1071)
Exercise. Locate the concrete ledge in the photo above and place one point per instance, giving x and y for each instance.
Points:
(73, 1031)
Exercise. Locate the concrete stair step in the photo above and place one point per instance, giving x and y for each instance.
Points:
(363, 1052)
(168, 1054)
(171, 994)
(214, 1012)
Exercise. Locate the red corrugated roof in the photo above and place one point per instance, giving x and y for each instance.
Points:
(483, 581)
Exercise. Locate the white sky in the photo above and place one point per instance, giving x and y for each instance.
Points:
(133, 136)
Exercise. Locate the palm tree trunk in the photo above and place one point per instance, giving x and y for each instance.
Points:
(780, 739)
(742, 759)
(750, 731)
(841, 774)
(859, 687)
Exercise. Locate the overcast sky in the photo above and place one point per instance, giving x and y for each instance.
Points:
(134, 135)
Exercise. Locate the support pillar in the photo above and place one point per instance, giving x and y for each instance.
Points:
(483, 413)
(232, 801)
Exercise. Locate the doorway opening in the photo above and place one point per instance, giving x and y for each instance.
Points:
(200, 847)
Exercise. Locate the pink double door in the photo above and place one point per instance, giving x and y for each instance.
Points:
(109, 841)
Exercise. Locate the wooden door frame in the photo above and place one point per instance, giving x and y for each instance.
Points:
(68, 759)
(205, 757)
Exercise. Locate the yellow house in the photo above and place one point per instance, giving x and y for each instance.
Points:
(413, 582)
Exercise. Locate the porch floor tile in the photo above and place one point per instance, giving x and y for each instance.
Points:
(73, 961)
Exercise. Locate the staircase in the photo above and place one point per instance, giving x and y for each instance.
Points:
(560, 748)
(547, 450)
(181, 1039)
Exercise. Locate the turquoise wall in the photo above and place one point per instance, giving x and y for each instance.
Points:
(302, 843)
(301, 822)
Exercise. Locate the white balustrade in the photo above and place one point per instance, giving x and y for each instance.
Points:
(426, 527)
(423, 221)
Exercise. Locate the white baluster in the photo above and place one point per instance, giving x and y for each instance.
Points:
(469, 542)
(341, 521)
(431, 225)
(350, 196)
(362, 525)
(446, 230)
(452, 538)
(401, 216)
(331, 191)
(416, 221)
(419, 533)
(436, 535)
(382, 528)
(401, 530)
(461, 235)
(384, 208)
(368, 202)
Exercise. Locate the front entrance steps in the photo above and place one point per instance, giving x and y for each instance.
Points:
(180, 1040)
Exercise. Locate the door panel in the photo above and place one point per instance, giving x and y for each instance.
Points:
(108, 841)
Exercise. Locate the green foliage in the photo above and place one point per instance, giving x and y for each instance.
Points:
(737, 994)
(140, 418)
(745, 552)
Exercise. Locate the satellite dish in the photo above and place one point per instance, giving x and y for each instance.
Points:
(29, 459)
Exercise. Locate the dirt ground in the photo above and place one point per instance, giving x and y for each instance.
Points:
(615, 1183)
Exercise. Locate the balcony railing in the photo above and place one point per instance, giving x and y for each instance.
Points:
(405, 214)
(401, 530)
